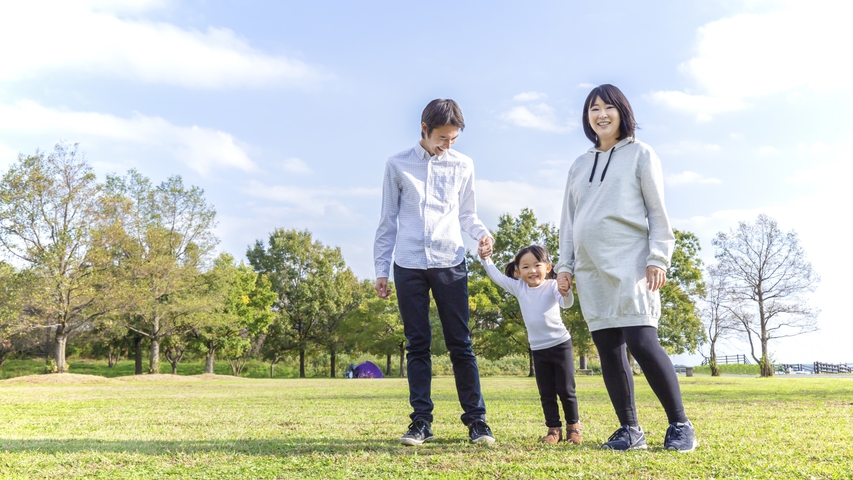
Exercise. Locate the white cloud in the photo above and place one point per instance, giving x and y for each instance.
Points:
(538, 117)
(689, 178)
(318, 200)
(202, 149)
(793, 45)
(7, 156)
(687, 146)
(529, 96)
(703, 106)
(767, 150)
(89, 38)
(736, 136)
(496, 198)
(587, 85)
(296, 166)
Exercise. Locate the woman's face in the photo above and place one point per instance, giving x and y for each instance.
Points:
(604, 120)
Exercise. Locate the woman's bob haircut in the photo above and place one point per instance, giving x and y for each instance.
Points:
(610, 95)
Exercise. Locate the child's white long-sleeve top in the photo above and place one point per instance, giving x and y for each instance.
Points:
(540, 307)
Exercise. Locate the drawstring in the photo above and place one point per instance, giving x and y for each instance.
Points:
(594, 165)
(603, 172)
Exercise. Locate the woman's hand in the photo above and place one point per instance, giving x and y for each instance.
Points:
(564, 283)
(655, 277)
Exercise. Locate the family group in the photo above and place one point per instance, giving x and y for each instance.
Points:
(615, 246)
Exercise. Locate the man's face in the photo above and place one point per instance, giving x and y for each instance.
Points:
(440, 139)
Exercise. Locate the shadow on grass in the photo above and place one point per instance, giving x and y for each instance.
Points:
(281, 447)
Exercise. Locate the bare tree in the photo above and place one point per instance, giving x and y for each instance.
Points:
(768, 269)
(720, 315)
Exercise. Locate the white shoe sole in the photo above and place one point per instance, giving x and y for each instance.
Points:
(412, 442)
(484, 439)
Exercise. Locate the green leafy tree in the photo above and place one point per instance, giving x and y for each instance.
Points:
(375, 327)
(680, 329)
(498, 327)
(302, 272)
(346, 294)
(159, 261)
(48, 206)
(767, 269)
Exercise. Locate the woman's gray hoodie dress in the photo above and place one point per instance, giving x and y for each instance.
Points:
(614, 224)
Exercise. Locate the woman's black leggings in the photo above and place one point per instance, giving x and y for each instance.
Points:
(657, 367)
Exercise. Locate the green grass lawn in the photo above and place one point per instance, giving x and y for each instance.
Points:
(191, 427)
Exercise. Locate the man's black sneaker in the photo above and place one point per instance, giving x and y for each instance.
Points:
(680, 437)
(626, 438)
(479, 432)
(419, 432)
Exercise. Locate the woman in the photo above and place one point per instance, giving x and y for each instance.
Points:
(616, 240)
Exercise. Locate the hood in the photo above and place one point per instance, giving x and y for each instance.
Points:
(620, 144)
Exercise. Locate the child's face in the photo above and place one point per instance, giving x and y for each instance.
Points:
(532, 271)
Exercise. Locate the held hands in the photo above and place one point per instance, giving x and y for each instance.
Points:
(484, 250)
(564, 283)
(382, 288)
(655, 277)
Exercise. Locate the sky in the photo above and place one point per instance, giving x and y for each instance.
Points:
(285, 112)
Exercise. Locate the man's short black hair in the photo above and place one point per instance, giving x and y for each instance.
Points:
(441, 112)
(611, 96)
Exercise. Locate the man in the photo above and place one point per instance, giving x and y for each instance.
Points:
(427, 200)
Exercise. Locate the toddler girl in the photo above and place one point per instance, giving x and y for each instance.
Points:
(530, 279)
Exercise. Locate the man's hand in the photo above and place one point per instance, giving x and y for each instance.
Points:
(485, 247)
(655, 277)
(382, 288)
(564, 283)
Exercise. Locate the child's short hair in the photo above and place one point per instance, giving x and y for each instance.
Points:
(441, 112)
(612, 96)
(538, 251)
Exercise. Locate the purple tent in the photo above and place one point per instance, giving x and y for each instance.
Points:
(367, 370)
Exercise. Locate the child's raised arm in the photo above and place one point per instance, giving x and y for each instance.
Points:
(508, 284)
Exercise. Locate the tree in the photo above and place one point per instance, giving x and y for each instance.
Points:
(680, 328)
(375, 327)
(498, 328)
(345, 295)
(48, 205)
(718, 316)
(769, 269)
(302, 273)
(166, 243)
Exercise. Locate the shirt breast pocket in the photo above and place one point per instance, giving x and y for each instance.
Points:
(447, 184)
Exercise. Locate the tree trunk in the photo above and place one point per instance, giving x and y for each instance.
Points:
(583, 362)
(272, 366)
(59, 352)
(332, 364)
(766, 366)
(301, 363)
(137, 345)
(388, 366)
(532, 371)
(112, 358)
(209, 360)
(715, 369)
(154, 359)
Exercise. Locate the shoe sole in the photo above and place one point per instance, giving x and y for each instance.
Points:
(411, 442)
(638, 447)
(484, 439)
(673, 449)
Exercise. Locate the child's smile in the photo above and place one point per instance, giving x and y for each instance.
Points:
(532, 271)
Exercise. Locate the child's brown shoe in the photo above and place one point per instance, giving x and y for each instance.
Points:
(573, 433)
(554, 436)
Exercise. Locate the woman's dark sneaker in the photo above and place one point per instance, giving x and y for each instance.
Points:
(479, 432)
(626, 438)
(680, 437)
(419, 432)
